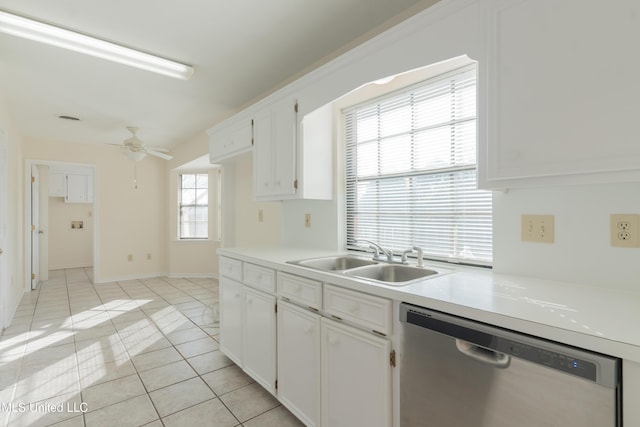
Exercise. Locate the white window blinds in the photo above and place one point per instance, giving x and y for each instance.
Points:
(411, 171)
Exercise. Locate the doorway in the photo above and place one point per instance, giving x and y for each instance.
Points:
(60, 212)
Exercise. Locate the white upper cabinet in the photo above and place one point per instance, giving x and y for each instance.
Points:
(57, 184)
(274, 160)
(230, 140)
(562, 93)
(79, 188)
(74, 183)
(293, 156)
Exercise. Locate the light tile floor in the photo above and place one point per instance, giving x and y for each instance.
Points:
(140, 352)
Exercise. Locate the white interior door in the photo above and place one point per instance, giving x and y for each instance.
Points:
(4, 274)
(35, 226)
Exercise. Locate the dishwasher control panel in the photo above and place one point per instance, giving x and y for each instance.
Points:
(552, 359)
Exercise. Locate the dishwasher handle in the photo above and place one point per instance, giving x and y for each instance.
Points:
(483, 355)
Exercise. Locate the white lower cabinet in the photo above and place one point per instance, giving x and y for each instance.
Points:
(299, 362)
(248, 330)
(356, 377)
(231, 319)
(259, 339)
(326, 372)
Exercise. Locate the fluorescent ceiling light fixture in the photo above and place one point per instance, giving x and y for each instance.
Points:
(55, 36)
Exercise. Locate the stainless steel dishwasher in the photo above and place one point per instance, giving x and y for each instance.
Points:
(460, 373)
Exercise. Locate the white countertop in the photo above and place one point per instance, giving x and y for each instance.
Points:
(594, 318)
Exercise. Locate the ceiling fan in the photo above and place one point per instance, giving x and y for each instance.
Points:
(136, 150)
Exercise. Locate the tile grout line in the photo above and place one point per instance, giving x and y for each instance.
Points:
(169, 290)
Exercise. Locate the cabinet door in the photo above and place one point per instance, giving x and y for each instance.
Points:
(284, 147)
(230, 141)
(57, 184)
(552, 118)
(299, 362)
(231, 306)
(262, 156)
(79, 188)
(356, 377)
(275, 152)
(259, 338)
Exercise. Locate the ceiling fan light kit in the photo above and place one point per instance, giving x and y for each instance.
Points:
(136, 150)
(55, 36)
(135, 156)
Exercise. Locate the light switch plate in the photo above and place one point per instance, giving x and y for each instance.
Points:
(537, 228)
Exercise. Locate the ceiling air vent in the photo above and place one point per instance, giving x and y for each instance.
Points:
(75, 119)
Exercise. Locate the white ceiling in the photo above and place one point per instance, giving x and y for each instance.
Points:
(240, 49)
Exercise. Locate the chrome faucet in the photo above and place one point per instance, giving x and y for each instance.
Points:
(378, 251)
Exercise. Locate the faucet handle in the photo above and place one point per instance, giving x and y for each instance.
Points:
(420, 255)
(376, 252)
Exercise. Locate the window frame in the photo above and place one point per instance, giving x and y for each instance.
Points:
(351, 192)
(194, 205)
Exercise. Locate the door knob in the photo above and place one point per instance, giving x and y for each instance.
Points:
(40, 232)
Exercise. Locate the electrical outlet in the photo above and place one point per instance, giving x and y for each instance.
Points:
(537, 228)
(307, 220)
(260, 215)
(624, 230)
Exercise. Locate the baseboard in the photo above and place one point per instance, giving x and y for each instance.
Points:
(193, 276)
(154, 275)
(99, 280)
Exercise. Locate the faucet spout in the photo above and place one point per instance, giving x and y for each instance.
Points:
(378, 250)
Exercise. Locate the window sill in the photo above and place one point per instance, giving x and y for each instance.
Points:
(195, 241)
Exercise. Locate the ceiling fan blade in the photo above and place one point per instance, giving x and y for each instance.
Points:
(158, 154)
(158, 149)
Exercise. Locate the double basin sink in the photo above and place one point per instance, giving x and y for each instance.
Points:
(353, 266)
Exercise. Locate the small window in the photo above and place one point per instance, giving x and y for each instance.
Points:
(194, 206)
(411, 171)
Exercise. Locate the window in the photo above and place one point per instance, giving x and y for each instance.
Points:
(194, 206)
(411, 171)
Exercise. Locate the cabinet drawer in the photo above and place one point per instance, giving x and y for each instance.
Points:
(260, 277)
(300, 290)
(373, 313)
(231, 268)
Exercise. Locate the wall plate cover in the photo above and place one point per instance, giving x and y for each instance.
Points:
(537, 228)
(624, 230)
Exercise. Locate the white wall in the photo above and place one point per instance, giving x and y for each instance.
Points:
(192, 258)
(249, 231)
(69, 248)
(13, 288)
(581, 252)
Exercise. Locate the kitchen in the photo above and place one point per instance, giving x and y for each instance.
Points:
(527, 183)
(580, 190)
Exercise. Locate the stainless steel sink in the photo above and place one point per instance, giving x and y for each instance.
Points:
(391, 274)
(335, 263)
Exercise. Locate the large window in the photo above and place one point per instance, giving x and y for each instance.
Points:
(194, 206)
(411, 171)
